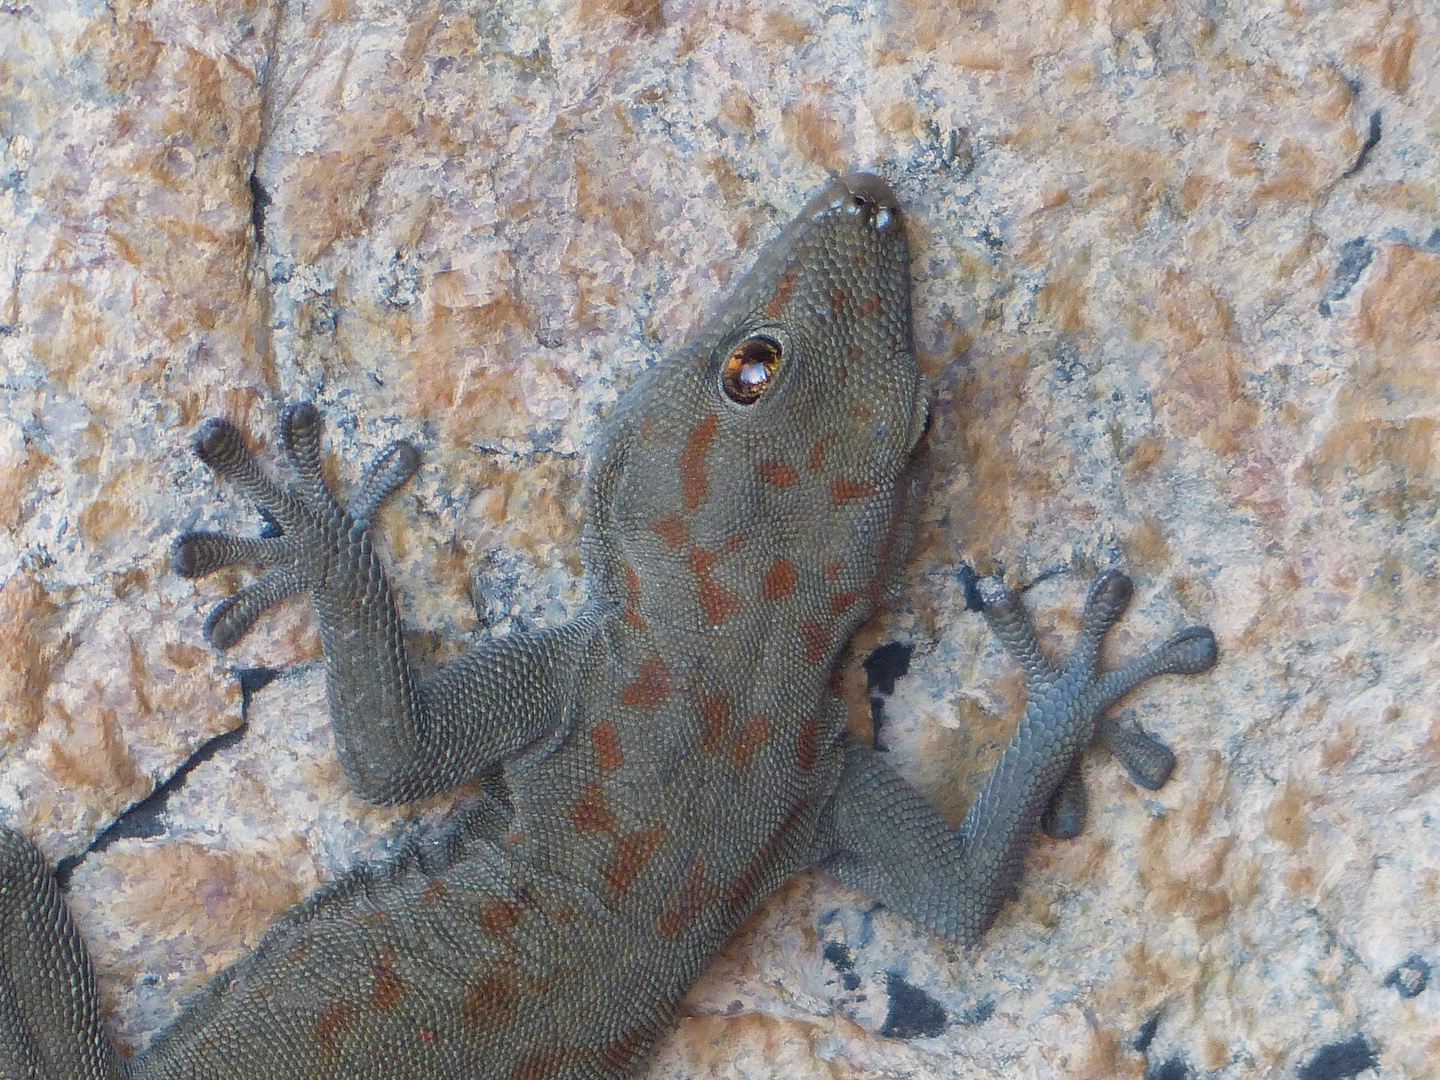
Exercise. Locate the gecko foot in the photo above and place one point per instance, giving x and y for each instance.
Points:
(1071, 702)
(311, 538)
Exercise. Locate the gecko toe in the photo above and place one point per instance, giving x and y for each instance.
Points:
(220, 445)
(1064, 816)
(1189, 652)
(1148, 761)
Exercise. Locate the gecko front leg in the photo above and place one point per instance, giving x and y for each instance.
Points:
(882, 836)
(396, 738)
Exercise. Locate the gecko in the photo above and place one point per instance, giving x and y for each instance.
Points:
(651, 769)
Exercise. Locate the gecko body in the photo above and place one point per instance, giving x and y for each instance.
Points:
(657, 766)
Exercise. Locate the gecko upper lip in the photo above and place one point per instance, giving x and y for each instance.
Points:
(865, 193)
(872, 188)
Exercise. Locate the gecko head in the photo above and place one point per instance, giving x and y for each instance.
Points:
(782, 436)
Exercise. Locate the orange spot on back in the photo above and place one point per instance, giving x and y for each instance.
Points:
(631, 855)
(624, 1051)
(692, 462)
(332, 1025)
(651, 685)
(870, 305)
(685, 902)
(633, 618)
(779, 580)
(847, 490)
(537, 1065)
(701, 561)
(807, 741)
(671, 530)
(716, 714)
(837, 300)
(817, 455)
(752, 736)
(816, 639)
(632, 579)
(434, 891)
(487, 1004)
(386, 988)
(777, 473)
(832, 571)
(719, 603)
(499, 917)
(607, 746)
(591, 815)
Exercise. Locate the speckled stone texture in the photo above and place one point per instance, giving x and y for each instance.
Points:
(1177, 270)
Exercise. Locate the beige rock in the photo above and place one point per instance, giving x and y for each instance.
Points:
(1182, 313)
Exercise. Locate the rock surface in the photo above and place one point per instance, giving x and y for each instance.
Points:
(1177, 272)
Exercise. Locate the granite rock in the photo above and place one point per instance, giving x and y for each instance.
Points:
(1177, 271)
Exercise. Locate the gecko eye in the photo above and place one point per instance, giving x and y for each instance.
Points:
(749, 369)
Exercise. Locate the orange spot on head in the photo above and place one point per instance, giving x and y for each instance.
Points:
(692, 462)
(434, 891)
(607, 746)
(752, 736)
(671, 530)
(807, 741)
(488, 1003)
(848, 490)
(832, 571)
(840, 602)
(332, 1025)
(701, 561)
(817, 455)
(715, 712)
(815, 637)
(719, 603)
(499, 917)
(779, 580)
(386, 988)
(650, 687)
(631, 854)
(777, 473)
(591, 815)
(633, 618)
(733, 541)
(870, 305)
(632, 579)
(783, 289)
